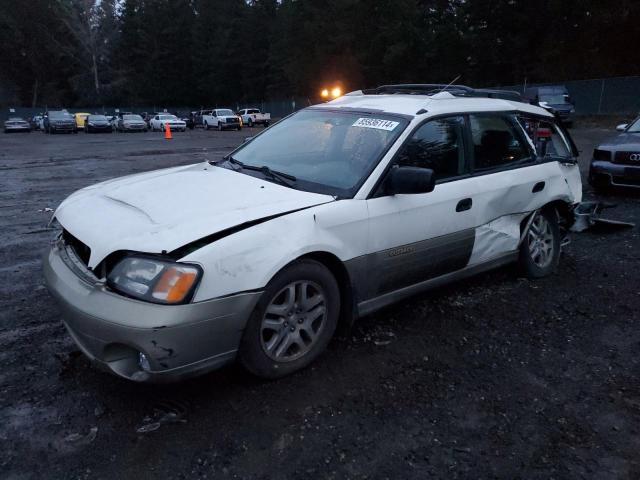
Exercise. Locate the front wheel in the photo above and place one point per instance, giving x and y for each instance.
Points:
(206, 126)
(293, 321)
(540, 249)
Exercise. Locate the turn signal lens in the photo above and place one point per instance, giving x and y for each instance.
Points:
(174, 284)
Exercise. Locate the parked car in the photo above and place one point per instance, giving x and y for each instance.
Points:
(160, 120)
(80, 118)
(36, 122)
(131, 123)
(16, 124)
(333, 213)
(187, 118)
(97, 124)
(616, 161)
(59, 121)
(222, 119)
(554, 98)
(253, 116)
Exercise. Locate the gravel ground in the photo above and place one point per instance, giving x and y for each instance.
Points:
(496, 377)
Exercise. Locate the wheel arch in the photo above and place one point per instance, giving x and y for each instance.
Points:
(348, 308)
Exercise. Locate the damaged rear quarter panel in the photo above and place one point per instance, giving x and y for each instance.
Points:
(248, 259)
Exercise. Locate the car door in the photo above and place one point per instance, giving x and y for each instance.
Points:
(418, 237)
(509, 180)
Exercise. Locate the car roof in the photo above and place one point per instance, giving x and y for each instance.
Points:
(437, 104)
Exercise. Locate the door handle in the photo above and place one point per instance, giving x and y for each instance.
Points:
(464, 204)
(538, 187)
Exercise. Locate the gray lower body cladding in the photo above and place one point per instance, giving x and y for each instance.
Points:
(382, 272)
(178, 341)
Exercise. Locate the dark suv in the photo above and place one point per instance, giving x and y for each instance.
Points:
(555, 98)
(59, 121)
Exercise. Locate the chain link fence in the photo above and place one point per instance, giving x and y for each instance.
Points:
(601, 96)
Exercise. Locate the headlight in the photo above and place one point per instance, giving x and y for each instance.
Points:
(155, 280)
(91, 124)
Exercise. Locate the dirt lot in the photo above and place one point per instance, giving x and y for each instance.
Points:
(498, 377)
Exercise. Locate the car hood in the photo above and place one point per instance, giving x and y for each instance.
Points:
(629, 142)
(166, 209)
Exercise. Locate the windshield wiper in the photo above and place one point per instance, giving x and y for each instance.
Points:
(283, 178)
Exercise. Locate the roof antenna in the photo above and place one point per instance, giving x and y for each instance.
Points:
(450, 83)
(424, 110)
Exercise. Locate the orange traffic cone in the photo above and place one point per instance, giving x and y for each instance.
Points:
(167, 132)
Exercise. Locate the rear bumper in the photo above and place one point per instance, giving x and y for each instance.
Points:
(178, 341)
(11, 128)
(603, 173)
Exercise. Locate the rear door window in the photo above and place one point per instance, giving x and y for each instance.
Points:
(546, 137)
(497, 142)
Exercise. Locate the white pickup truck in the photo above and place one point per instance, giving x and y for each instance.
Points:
(253, 116)
(221, 118)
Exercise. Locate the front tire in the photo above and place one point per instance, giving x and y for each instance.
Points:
(293, 321)
(540, 249)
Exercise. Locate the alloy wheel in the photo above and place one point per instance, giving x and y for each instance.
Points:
(540, 241)
(293, 321)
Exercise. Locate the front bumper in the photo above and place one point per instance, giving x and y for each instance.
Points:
(134, 128)
(17, 128)
(62, 128)
(603, 173)
(178, 341)
(99, 128)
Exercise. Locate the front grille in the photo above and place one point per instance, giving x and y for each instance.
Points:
(82, 251)
(627, 158)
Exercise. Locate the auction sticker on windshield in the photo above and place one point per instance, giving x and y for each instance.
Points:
(376, 123)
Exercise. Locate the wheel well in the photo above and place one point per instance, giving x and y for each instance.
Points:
(347, 298)
(564, 211)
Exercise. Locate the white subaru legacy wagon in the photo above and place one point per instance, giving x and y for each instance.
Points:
(330, 214)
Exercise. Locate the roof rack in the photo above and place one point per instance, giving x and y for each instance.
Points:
(433, 88)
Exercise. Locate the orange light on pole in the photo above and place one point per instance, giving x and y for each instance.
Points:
(324, 93)
(336, 92)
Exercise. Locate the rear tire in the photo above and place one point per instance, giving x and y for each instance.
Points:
(540, 249)
(292, 322)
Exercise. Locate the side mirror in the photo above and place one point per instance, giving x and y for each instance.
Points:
(622, 127)
(408, 180)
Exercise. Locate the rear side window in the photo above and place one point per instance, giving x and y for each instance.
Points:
(546, 137)
(437, 145)
(496, 142)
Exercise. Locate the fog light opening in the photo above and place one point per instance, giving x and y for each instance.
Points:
(143, 362)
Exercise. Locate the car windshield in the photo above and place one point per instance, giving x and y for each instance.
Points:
(93, 118)
(168, 117)
(60, 115)
(15, 119)
(634, 127)
(132, 117)
(327, 151)
(553, 99)
(224, 112)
